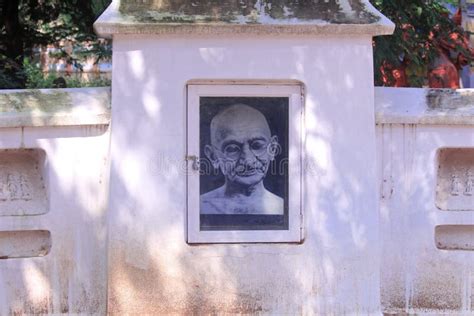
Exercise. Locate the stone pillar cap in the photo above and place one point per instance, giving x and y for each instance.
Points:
(220, 17)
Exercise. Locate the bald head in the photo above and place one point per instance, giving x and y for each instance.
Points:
(238, 119)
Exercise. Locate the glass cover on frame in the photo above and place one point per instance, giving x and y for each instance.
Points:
(244, 163)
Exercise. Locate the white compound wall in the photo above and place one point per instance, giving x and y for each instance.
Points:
(54, 158)
(425, 142)
(388, 211)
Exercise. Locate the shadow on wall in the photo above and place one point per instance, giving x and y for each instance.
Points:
(416, 275)
(71, 278)
(151, 267)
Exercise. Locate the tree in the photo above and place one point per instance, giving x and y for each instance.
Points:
(424, 33)
(26, 25)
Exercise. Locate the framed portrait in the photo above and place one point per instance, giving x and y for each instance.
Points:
(244, 162)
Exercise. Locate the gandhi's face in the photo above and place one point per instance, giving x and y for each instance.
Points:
(242, 146)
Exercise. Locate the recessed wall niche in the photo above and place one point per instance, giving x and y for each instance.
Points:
(22, 185)
(454, 237)
(455, 180)
(24, 244)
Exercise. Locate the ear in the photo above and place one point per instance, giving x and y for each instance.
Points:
(274, 147)
(211, 155)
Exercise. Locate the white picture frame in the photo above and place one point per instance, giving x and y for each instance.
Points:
(293, 233)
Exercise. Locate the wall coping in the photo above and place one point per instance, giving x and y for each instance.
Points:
(148, 21)
(55, 107)
(424, 106)
(91, 106)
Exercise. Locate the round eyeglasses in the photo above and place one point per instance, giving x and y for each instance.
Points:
(258, 148)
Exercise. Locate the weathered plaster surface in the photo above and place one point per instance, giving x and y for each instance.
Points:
(152, 269)
(249, 17)
(249, 11)
(67, 276)
(54, 107)
(424, 106)
(334, 272)
(417, 277)
(22, 185)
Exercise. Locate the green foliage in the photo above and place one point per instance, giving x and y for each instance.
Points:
(26, 25)
(421, 28)
(34, 76)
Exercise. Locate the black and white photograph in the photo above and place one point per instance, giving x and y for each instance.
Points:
(243, 163)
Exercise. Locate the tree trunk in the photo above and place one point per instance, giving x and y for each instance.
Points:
(13, 30)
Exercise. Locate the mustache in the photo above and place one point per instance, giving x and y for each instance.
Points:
(249, 169)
